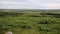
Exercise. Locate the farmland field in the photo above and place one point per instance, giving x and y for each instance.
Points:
(25, 22)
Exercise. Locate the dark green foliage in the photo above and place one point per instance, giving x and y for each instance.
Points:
(11, 25)
(44, 22)
(14, 14)
(24, 27)
(33, 16)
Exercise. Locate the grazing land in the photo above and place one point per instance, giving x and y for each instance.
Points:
(30, 21)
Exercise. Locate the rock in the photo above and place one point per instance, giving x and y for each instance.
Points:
(9, 32)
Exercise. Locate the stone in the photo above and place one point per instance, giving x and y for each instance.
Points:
(9, 32)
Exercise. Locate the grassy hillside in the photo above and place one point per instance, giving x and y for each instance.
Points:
(29, 23)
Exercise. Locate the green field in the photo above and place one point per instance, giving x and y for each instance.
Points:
(30, 23)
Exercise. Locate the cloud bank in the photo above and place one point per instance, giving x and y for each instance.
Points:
(29, 4)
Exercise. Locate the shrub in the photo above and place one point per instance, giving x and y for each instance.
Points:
(26, 27)
(43, 22)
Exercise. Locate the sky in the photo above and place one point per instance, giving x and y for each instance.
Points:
(29, 4)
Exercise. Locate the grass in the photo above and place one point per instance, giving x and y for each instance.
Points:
(27, 24)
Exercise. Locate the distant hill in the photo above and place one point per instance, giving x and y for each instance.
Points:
(30, 10)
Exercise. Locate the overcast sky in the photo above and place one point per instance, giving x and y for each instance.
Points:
(29, 4)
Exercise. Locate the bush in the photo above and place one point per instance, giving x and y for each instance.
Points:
(44, 22)
(26, 27)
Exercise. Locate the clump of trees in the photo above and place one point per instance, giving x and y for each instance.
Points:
(34, 16)
(13, 14)
(50, 15)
